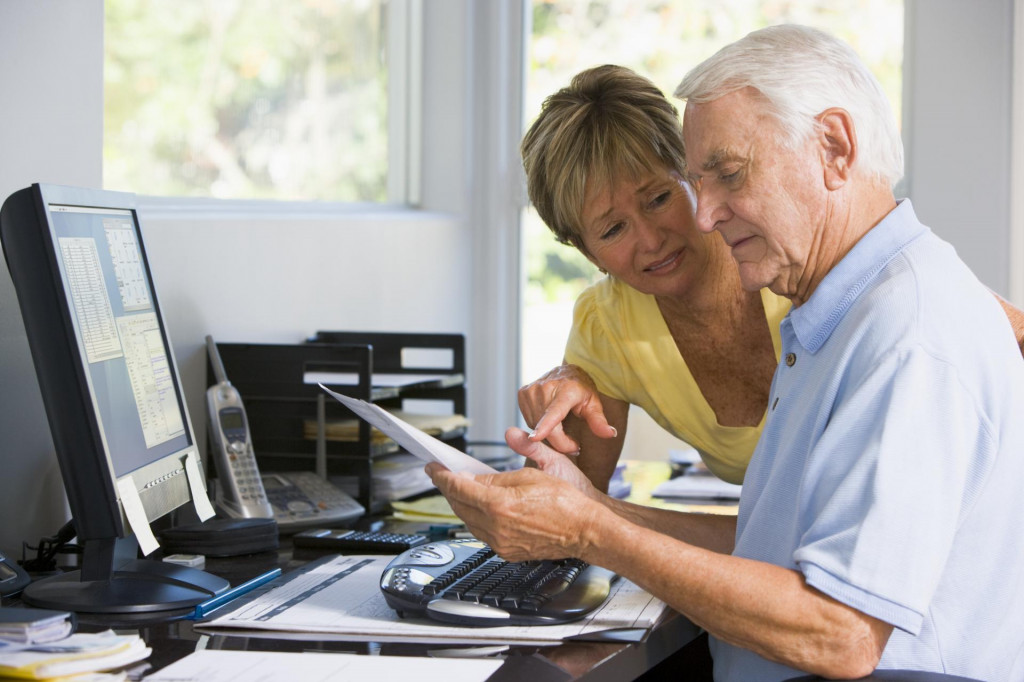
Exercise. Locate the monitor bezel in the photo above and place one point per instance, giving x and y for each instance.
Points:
(89, 477)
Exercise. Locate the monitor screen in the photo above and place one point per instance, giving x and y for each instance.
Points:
(131, 380)
(112, 394)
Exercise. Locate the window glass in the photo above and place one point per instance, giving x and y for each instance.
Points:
(246, 99)
(662, 41)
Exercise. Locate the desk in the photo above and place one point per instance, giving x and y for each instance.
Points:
(673, 651)
(590, 661)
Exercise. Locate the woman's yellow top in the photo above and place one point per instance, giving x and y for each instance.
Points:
(621, 339)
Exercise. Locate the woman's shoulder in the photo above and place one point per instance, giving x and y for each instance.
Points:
(609, 293)
(615, 312)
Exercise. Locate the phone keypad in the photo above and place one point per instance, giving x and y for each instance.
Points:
(246, 474)
(303, 495)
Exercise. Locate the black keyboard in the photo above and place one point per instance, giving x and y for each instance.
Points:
(465, 583)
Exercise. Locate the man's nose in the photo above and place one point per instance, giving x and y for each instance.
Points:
(711, 209)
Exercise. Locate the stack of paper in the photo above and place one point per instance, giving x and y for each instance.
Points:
(425, 447)
(698, 486)
(394, 477)
(399, 476)
(433, 509)
(347, 430)
(33, 626)
(78, 654)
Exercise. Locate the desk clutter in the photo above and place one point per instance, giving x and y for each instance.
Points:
(28, 627)
(395, 477)
(74, 655)
(420, 377)
(350, 596)
(443, 426)
(345, 596)
(690, 479)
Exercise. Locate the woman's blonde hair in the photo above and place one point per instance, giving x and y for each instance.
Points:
(609, 122)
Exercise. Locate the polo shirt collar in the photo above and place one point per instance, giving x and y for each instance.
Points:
(814, 321)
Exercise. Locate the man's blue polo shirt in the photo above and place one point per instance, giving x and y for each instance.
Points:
(891, 465)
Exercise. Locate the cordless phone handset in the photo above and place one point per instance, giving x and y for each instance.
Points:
(240, 493)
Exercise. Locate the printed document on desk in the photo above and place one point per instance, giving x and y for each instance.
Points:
(698, 486)
(211, 665)
(427, 448)
(341, 596)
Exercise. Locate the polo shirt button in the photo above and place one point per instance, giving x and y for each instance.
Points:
(790, 359)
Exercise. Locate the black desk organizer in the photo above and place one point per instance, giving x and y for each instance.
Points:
(271, 379)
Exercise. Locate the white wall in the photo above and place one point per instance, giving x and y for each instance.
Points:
(274, 280)
(51, 122)
(957, 127)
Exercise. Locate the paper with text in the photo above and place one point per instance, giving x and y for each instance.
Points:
(427, 448)
(342, 596)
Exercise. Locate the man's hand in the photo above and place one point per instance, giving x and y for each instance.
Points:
(532, 513)
(550, 461)
(546, 402)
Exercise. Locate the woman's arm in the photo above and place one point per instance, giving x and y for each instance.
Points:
(1016, 316)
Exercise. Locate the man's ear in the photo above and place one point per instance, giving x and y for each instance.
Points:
(838, 140)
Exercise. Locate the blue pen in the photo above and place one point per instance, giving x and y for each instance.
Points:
(234, 593)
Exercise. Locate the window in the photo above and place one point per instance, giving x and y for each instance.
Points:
(249, 99)
(662, 41)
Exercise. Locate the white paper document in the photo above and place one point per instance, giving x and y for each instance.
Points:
(427, 448)
(698, 486)
(342, 597)
(229, 666)
(136, 513)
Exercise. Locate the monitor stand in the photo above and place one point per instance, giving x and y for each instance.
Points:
(133, 587)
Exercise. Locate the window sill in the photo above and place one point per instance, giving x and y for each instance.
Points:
(198, 208)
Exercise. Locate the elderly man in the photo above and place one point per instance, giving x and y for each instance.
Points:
(878, 525)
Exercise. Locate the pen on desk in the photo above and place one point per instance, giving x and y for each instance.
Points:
(234, 593)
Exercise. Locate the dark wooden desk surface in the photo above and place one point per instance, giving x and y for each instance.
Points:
(590, 661)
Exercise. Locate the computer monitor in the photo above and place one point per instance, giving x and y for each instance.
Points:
(112, 394)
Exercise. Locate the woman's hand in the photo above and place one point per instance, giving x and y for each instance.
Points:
(546, 402)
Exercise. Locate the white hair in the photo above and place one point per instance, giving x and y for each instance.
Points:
(801, 72)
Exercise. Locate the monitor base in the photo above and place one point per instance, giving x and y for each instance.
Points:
(140, 586)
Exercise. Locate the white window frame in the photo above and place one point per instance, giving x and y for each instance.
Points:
(405, 100)
(1016, 274)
